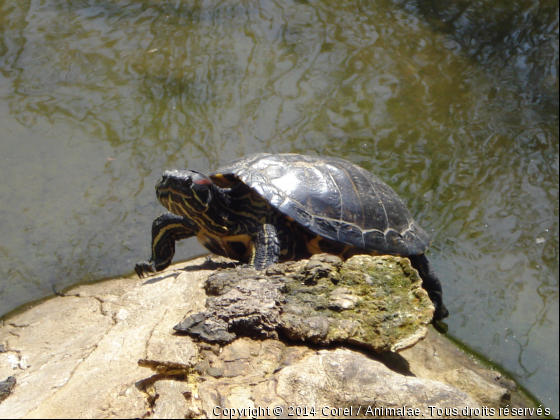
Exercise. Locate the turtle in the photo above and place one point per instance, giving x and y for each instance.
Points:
(267, 208)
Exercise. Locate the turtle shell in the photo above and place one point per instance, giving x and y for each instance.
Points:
(332, 198)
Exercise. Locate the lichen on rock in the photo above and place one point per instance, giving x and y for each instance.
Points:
(373, 302)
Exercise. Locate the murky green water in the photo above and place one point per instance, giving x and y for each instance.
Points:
(455, 104)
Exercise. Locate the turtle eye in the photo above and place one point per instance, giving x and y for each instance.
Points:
(202, 194)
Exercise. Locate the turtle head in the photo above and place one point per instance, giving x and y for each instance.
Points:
(185, 192)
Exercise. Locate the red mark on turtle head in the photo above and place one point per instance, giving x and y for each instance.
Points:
(202, 181)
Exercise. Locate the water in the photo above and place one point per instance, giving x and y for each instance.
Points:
(454, 104)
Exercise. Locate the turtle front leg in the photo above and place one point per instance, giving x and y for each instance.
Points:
(430, 283)
(166, 230)
(266, 249)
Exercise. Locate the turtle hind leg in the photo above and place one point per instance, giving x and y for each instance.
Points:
(266, 247)
(431, 283)
(166, 230)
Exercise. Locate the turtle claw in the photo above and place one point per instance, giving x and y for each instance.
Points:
(145, 268)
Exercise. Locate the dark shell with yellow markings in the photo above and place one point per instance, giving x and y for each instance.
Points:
(333, 199)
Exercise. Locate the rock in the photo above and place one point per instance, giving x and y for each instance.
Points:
(318, 381)
(81, 351)
(325, 380)
(6, 387)
(246, 301)
(108, 350)
(484, 391)
(374, 302)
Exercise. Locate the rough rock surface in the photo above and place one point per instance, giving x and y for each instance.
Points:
(108, 350)
(6, 387)
(374, 302)
(326, 378)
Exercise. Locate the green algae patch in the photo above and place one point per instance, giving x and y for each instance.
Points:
(392, 306)
(374, 302)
